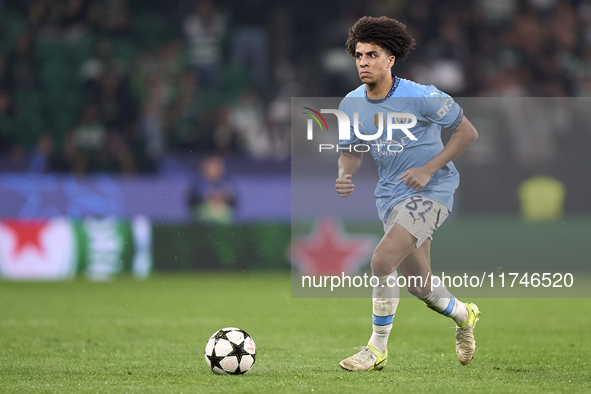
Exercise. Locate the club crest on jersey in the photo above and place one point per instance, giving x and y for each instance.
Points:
(396, 120)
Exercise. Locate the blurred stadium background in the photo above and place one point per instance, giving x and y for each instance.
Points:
(152, 137)
(145, 133)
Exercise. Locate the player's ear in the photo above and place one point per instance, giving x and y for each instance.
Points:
(391, 61)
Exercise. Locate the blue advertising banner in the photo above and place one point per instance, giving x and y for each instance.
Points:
(44, 196)
(164, 197)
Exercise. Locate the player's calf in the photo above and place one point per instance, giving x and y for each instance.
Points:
(442, 301)
(418, 291)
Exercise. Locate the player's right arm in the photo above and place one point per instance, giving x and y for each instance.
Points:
(349, 164)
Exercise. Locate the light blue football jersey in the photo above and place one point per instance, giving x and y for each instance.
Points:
(433, 110)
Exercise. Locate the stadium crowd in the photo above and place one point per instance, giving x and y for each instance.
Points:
(115, 85)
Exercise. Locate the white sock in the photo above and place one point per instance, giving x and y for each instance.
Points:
(385, 302)
(442, 301)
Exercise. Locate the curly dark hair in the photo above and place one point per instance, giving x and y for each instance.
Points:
(384, 32)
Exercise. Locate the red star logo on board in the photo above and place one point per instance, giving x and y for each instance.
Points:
(27, 234)
(329, 250)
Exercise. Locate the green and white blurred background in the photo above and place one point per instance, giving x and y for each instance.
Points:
(156, 134)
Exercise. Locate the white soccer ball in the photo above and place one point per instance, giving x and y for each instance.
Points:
(230, 351)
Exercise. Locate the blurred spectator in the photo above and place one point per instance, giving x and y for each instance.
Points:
(214, 198)
(22, 63)
(5, 121)
(497, 12)
(117, 106)
(86, 145)
(226, 135)
(41, 156)
(15, 160)
(117, 16)
(205, 30)
(5, 107)
(103, 61)
(171, 61)
(185, 115)
(74, 13)
(280, 122)
(120, 153)
(73, 22)
(4, 79)
(449, 53)
(250, 42)
(152, 117)
(165, 65)
(247, 116)
(44, 15)
(94, 147)
(159, 74)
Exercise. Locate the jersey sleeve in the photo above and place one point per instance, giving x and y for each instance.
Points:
(353, 140)
(438, 107)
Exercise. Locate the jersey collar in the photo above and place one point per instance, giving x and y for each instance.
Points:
(390, 93)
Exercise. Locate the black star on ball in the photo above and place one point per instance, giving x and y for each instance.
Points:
(215, 360)
(222, 334)
(238, 351)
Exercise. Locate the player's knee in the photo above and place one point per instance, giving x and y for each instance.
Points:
(418, 291)
(380, 266)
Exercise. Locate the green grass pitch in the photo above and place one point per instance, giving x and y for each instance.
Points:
(149, 336)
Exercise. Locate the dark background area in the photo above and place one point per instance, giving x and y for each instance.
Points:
(134, 88)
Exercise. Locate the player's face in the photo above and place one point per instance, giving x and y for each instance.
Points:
(373, 63)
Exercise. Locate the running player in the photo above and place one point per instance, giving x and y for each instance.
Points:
(417, 181)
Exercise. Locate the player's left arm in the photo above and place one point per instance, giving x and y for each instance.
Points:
(464, 135)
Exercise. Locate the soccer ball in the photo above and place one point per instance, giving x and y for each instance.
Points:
(230, 351)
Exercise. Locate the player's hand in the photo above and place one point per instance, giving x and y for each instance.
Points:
(416, 178)
(344, 185)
